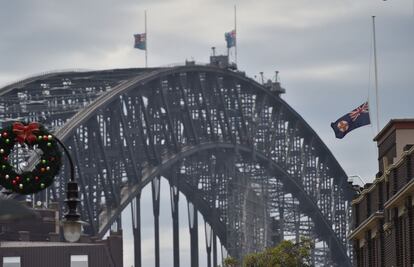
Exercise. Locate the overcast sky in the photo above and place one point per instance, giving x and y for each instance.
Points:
(322, 48)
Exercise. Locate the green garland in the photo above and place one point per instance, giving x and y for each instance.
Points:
(43, 174)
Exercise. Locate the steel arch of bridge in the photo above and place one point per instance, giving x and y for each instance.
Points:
(231, 145)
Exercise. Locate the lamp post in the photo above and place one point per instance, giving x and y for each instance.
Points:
(359, 177)
(72, 225)
(357, 187)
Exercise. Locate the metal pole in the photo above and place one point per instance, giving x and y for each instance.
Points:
(146, 41)
(235, 30)
(376, 73)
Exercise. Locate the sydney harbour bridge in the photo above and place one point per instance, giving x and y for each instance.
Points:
(243, 158)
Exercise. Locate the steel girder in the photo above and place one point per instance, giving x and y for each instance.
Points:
(241, 155)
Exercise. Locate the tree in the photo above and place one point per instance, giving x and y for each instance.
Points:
(285, 254)
(230, 262)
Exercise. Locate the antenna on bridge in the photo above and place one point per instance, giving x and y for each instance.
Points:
(262, 77)
(214, 50)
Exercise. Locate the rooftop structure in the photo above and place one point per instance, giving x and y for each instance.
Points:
(39, 243)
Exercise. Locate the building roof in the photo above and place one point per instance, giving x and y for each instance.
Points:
(394, 124)
(19, 244)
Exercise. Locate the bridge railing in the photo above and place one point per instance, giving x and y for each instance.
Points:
(40, 74)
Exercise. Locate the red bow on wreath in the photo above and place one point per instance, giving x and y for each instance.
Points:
(24, 133)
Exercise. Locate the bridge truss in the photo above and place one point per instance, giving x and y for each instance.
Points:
(240, 154)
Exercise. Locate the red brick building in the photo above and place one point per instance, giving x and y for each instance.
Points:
(38, 243)
(383, 213)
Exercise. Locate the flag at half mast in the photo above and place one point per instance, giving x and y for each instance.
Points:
(356, 118)
(230, 38)
(140, 41)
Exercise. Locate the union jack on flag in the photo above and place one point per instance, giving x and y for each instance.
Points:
(140, 41)
(352, 120)
(230, 38)
(358, 111)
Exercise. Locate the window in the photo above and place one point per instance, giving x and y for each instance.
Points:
(79, 261)
(11, 262)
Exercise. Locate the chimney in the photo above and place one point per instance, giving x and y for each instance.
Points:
(393, 140)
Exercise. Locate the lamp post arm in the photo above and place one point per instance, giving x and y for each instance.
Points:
(359, 177)
(72, 166)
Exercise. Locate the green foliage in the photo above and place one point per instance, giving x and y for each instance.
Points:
(230, 262)
(285, 254)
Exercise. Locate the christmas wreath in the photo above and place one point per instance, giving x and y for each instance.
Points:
(36, 138)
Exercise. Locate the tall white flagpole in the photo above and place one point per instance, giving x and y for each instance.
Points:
(146, 41)
(235, 30)
(376, 73)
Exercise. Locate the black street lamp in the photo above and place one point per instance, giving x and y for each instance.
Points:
(72, 225)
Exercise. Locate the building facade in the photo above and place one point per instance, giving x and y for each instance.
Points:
(383, 212)
(39, 243)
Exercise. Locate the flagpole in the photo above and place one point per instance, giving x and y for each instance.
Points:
(235, 30)
(146, 40)
(376, 73)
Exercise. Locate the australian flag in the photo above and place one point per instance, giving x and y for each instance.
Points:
(354, 119)
(140, 41)
(230, 38)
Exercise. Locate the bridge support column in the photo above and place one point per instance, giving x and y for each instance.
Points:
(119, 223)
(175, 220)
(136, 224)
(224, 254)
(209, 233)
(155, 186)
(214, 250)
(193, 223)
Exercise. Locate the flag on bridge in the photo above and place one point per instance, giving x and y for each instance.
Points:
(230, 38)
(140, 41)
(352, 120)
